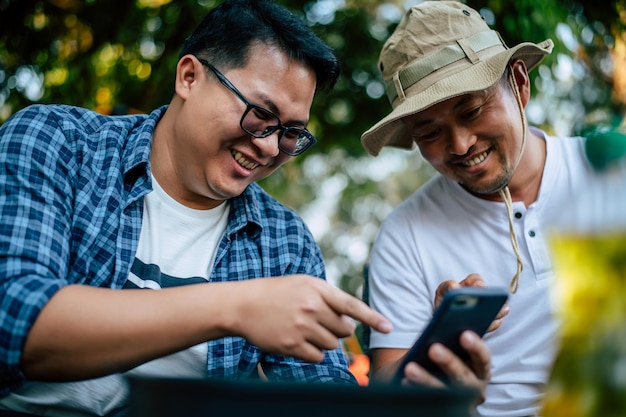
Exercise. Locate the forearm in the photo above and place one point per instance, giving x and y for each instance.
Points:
(86, 332)
(384, 363)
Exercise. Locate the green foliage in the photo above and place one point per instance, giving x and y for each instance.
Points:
(120, 55)
(94, 54)
(128, 58)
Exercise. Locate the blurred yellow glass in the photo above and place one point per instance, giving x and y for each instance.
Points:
(589, 374)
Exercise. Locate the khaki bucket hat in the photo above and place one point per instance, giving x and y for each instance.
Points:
(439, 50)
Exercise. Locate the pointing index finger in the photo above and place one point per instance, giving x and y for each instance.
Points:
(344, 303)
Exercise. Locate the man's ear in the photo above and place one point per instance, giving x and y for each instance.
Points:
(188, 70)
(522, 79)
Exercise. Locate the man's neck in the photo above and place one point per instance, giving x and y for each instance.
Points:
(526, 181)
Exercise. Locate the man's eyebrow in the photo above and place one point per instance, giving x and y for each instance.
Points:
(463, 101)
(421, 123)
(269, 103)
(468, 98)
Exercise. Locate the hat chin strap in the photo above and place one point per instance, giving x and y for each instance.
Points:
(505, 193)
(506, 196)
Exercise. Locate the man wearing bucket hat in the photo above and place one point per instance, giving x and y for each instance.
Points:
(458, 93)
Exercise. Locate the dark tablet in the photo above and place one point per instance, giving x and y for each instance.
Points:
(181, 397)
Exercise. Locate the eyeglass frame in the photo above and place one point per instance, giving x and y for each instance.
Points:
(250, 105)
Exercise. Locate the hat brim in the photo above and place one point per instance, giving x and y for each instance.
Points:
(390, 131)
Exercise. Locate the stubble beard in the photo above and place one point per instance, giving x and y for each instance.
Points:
(493, 186)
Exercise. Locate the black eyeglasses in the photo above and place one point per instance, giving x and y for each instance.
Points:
(261, 122)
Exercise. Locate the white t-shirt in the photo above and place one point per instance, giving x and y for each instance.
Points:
(442, 232)
(177, 244)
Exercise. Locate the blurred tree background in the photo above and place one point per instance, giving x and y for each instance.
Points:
(120, 56)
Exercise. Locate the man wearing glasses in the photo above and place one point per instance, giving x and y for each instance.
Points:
(97, 206)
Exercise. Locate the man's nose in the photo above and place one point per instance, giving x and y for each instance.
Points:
(461, 140)
(269, 144)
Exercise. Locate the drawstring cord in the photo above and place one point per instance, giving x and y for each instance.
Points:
(505, 193)
(506, 196)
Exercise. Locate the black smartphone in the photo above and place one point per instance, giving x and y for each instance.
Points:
(466, 308)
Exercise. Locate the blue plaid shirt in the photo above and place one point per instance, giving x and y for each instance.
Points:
(70, 213)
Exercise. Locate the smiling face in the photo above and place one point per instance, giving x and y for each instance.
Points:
(201, 156)
(474, 139)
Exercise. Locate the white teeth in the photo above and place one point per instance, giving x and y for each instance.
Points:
(243, 161)
(476, 160)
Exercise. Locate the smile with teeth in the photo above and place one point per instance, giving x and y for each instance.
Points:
(241, 160)
(476, 160)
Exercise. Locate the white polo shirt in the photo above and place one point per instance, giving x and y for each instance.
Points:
(442, 232)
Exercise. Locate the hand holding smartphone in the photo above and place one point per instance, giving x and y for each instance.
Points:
(466, 308)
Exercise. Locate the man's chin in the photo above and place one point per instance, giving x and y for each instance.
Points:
(226, 193)
(484, 189)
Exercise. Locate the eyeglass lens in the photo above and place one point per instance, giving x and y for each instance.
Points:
(260, 122)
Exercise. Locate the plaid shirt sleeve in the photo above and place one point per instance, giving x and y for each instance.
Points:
(61, 206)
(34, 224)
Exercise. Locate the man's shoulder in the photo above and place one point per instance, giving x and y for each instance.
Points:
(567, 150)
(50, 117)
(435, 201)
(264, 201)
(258, 206)
(559, 143)
(429, 194)
(72, 114)
(256, 211)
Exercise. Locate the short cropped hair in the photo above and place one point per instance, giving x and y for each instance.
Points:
(225, 35)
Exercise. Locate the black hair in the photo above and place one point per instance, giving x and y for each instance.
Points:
(226, 33)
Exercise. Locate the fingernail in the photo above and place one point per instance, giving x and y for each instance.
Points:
(350, 322)
(413, 372)
(470, 337)
(437, 351)
(384, 326)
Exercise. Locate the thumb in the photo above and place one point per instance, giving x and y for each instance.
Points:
(443, 289)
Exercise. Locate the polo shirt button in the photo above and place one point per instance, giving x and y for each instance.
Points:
(531, 233)
(518, 215)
